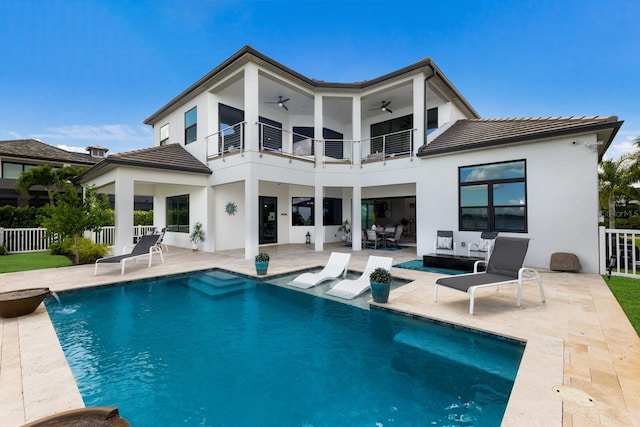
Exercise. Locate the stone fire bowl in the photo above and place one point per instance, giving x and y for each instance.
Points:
(21, 302)
(97, 416)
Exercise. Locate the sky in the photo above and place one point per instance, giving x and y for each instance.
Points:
(77, 73)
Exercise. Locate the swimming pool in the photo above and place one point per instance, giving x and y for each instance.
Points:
(212, 348)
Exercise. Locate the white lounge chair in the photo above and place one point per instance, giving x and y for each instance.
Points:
(351, 288)
(146, 246)
(336, 267)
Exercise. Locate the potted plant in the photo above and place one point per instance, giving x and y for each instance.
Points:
(380, 280)
(345, 228)
(197, 236)
(262, 263)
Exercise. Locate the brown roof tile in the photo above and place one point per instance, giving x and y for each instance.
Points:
(471, 134)
(37, 150)
(169, 157)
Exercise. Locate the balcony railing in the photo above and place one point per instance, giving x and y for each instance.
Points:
(388, 146)
(229, 140)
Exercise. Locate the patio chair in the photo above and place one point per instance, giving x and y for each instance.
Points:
(336, 266)
(146, 246)
(395, 239)
(444, 242)
(505, 266)
(351, 288)
(161, 242)
(372, 239)
(485, 245)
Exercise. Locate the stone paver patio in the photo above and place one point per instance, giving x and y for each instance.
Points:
(581, 365)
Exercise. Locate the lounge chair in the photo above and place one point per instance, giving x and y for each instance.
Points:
(351, 288)
(336, 267)
(444, 241)
(146, 246)
(485, 245)
(504, 267)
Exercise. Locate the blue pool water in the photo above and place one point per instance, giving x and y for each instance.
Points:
(213, 349)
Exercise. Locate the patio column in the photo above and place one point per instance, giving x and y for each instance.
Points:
(317, 129)
(318, 227)
(356, 120)
(251, 215)
(251, 100)
(356, 218)
(419, 111)
(123, 212)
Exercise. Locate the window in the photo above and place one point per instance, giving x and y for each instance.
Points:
(164, 134)
(13, 170)
(178, 214)
(432, 119)
(493, 197)
(230, 137)
(302, 211)
(191, 125)
(399, 142)
(331, 211)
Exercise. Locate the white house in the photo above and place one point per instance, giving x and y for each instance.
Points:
(250, 148)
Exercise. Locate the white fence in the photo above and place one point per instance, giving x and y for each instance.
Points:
(619, 252)
(18, 240)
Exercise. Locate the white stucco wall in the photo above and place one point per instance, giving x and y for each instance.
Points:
(561, 199)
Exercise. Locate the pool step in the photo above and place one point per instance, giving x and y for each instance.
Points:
(218, 283)
(497, 361)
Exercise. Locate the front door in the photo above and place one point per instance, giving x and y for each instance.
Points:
(268, 228)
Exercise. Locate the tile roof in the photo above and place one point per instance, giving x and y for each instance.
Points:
(169, 157)
(471, 134)
(37, 150)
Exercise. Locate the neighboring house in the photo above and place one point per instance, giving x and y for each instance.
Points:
(16, 156)
(250, 148)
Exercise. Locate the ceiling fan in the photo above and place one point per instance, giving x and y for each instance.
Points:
(280, 102)
(383, 107)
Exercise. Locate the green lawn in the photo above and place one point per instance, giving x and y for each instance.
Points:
(32, 261)
(627, 292)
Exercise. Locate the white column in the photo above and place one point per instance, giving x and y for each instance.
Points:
(317, 128)
(123, 212)
(419, 111)
(318, 228)
(251, 215)
(356, 119)
(251, 106)
(356, 219)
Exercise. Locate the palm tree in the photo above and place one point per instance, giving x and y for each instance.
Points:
(615, 179)
(52, 179)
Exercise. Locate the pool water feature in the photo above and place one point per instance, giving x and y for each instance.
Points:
(241, 352)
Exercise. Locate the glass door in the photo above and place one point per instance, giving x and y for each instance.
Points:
(268, 228)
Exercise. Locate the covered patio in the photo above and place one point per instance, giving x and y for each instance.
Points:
(580, 366)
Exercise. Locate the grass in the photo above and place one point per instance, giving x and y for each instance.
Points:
(627, 292)
(32, 261)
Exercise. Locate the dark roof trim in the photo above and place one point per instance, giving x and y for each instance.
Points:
(590, 127)
(248, 50)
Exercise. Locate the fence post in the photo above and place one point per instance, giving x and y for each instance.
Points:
(1, 236)
(602, 240)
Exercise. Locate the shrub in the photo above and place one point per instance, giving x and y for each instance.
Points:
(142, 217)
(262, 257)
(89, 251)
(380, 275)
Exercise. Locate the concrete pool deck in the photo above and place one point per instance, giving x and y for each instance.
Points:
(581, 366)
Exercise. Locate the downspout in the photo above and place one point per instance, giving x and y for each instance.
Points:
(426, 108)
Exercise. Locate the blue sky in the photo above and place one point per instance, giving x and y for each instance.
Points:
(80, 72)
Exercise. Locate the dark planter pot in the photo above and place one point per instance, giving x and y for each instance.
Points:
(380, 291)
(261, 267)
(19, 303)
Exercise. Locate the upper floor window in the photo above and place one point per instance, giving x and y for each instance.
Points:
(392, 136)
(493, 197)
(13, 170)
(432, 119)
(164, 134)
(191, 125)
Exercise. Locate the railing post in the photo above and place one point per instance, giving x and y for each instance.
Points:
(602, 239)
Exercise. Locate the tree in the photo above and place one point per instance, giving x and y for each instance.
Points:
(52, 179)
(615, 179)
(72, 215)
